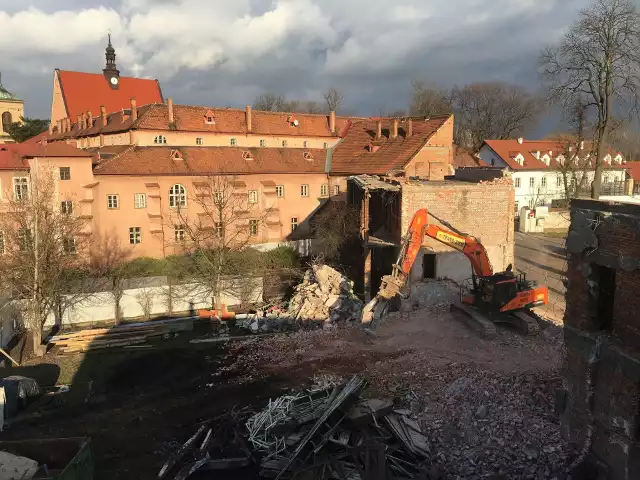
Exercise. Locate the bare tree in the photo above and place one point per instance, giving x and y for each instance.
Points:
(43, 245)
(334, 98)
(491, 111)
(215, 241)
(109, 264)
(597, 62)
(144, 298)
(427, 99)
(335, 226)
(269, 102)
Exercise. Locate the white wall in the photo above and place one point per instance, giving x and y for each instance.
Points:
(100, 307)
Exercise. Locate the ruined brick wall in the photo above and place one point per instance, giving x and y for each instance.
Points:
(601, 373)
(433, 160)
(484, 211)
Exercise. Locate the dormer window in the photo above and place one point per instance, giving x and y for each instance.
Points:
(546, 160)
(618, 159)
(209, 119)
(607, 159)
(176, 155)
(307, 156)
(520, 159)
(247, 155)
(560, 159)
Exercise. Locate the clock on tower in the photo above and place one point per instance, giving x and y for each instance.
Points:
(111, 72)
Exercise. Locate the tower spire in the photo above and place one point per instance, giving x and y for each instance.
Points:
(110, 71)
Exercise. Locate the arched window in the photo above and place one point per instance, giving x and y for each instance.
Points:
(160, 139)
(6, 121)
(177, 196)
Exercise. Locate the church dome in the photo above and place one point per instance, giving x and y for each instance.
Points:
(6, 94)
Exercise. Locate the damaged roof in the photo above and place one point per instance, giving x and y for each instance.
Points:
(360, 152)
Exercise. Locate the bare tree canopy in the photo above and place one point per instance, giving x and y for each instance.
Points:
(597, 64)
(270, 102)
(334, 98)
(427, 99)
(491, 111)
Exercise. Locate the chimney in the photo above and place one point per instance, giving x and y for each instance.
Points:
(332, 121)
(248, 117)
(170, 108)
(378, 129)
(89, 119)
(582, 145)
(50, 128)
(103, 115)
(409, 128)
(134, 109)
(65, 124)
(394, 128)
(520, 140)
(80, 122)
(59, 125)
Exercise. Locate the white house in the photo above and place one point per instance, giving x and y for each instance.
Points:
(536, 167)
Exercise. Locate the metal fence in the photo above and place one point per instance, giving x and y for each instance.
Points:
(607, 189)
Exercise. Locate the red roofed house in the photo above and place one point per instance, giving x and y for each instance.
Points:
(76, 93)
(633, 175)
(537, 165)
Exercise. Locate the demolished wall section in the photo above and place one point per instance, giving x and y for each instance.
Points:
(601, 372)
(485, 211)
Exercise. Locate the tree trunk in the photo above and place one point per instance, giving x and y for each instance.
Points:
(597, 179)
(36, 338)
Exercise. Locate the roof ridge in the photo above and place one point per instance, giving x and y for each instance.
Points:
(108, 160)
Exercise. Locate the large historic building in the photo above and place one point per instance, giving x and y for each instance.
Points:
(76, 93)
(11, 110)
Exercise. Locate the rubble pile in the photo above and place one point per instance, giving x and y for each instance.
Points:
(328, 431)
(325, 294)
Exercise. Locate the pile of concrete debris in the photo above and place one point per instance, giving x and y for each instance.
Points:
(328, 431)
(325, 294)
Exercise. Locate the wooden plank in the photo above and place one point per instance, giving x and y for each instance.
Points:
(115, 336)
(9, 357)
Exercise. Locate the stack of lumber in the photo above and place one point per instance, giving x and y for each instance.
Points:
(120, 336)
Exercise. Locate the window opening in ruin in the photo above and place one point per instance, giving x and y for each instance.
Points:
(429, 265)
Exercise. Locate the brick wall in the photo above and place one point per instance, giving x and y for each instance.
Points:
(484, 211)
(433, 160)
(601, 371)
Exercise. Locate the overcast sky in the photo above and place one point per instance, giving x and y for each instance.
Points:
(225, 52)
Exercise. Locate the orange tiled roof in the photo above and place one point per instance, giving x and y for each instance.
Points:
(352, 155)
(212, 161)
(508, 150)
(13, 155)
(192, 119)
(88, 91)
(633, 169)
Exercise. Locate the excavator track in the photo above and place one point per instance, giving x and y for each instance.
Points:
(475, 320)
(525, 323)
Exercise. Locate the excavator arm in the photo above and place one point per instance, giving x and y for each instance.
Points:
(411, 243)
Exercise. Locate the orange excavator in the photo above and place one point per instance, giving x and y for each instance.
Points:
(494, 297)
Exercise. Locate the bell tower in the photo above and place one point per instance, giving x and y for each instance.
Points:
(111, 72)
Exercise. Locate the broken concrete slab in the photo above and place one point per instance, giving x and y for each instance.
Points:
(14, 467)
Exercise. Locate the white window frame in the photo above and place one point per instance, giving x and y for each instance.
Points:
(160, 140)
(252, 196)
(20, 188)
(284, 144)
(178, 196)
(336, 189)
(139, 200)
(179, 233)
(304, 190)
(305, 144)
(532, 182)
(517, 182)
(66, 207)
(263, 142)
(280, 191)
(135, 235)
(233, 142)
(199, 141)
(113, 201)
(559, 181)
(543, 182)
(324, 190)
(253, 228)
(294, 224)
(325, 145)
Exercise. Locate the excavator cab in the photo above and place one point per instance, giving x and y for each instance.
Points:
(497, 290)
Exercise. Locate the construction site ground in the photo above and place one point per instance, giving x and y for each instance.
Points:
(487, 406)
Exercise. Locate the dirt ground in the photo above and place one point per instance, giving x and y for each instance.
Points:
(146, 401)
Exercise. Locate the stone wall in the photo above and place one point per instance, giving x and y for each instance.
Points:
(600, 404)
(485, 211)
